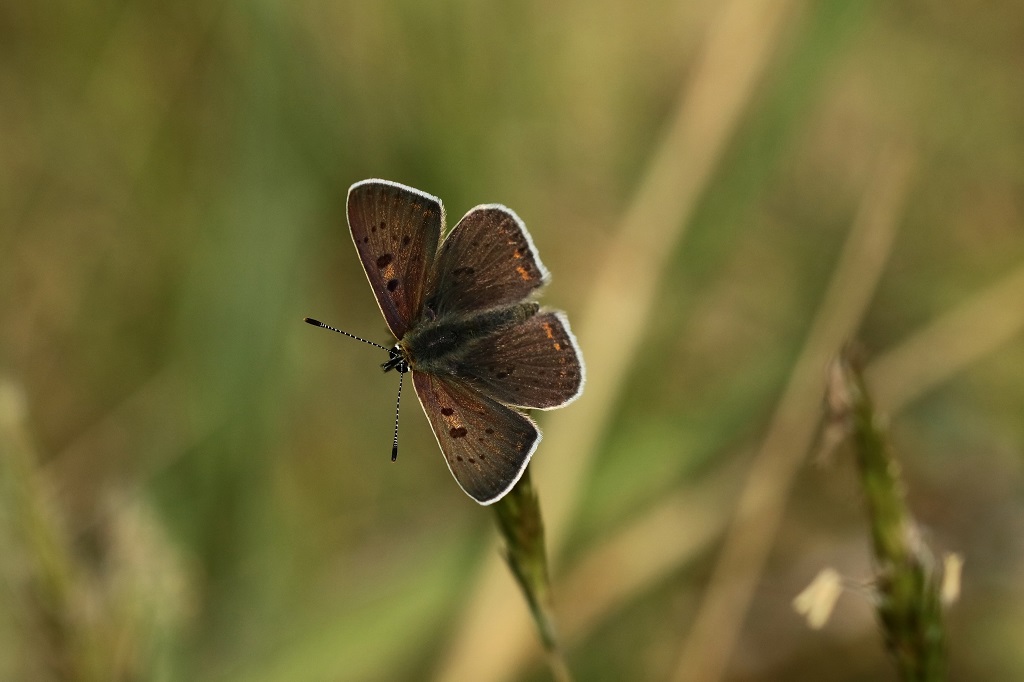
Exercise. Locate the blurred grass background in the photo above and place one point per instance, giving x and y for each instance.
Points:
(195, 485)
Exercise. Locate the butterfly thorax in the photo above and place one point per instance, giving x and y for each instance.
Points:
(436, 344)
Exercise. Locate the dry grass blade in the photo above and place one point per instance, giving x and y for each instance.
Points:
(738, 47)
(949, 344)
(644, 552)
(762, 502)
(58, 626)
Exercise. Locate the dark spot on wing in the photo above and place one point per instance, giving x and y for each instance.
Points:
(447, 411)
(472, 461)
(385, 260)
(382, 224)
(458, 432)
(405, 240)
(458, 457)
(490, 431)
(482, 454)
(366, 240)
(392, 284)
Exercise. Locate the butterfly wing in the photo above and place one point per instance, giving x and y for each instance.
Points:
(535, 364)
(396, 230)
(488, 260)
(486, 444)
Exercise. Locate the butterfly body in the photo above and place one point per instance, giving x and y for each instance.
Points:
(479, 348)
(441, 345)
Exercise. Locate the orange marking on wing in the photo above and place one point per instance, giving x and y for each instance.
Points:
(523, 273)
(558, 346)
(548, 331)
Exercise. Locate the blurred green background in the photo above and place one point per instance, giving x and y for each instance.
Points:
(197, 486)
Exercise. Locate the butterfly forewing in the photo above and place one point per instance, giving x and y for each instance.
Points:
(535, 364)
(486, 444)
(488, 260)
(396, 230)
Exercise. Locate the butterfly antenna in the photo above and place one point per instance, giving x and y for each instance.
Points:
(398, 405)
(318, 323)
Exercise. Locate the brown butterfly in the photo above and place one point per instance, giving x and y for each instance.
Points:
(479, 348)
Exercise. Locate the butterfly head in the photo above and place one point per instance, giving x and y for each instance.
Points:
(397, 359)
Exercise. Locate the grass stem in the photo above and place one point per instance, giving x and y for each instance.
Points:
(522, 527)
(908, 581)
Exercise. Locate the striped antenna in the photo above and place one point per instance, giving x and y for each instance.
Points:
(318, 323)
(398, 405)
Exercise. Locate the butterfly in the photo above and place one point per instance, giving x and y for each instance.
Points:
(479, 348)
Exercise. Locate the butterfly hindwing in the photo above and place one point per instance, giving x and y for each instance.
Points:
(536, 363)
(396, 230)
(487, 445)
(488, 260)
